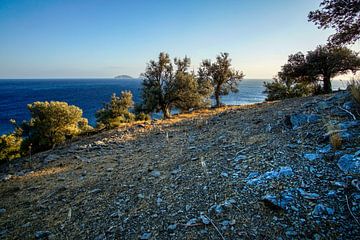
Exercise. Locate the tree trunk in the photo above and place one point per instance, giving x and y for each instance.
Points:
(166, 112)
(327, 84)
(217, 98)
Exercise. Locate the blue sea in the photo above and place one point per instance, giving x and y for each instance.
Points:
(90, 94)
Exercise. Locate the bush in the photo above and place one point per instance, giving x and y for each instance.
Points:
(116, 111)
(279, 89)
(10, 146)
(52, 123)
(142, 117)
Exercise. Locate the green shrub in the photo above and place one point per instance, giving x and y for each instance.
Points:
(116, 111)
(279, 89)
(52, 123)
(10, 145)
(142, 117)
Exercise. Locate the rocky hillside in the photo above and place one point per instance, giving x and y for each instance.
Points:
(264, 171)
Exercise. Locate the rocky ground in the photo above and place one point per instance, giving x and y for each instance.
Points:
(265, 171)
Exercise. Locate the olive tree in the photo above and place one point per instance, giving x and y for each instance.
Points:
(116, 111)
(223, 78)
(341, 15)
(52, 123)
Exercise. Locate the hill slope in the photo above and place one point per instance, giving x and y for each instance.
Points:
(250, 172)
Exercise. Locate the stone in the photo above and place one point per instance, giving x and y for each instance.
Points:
(331, 193)
(110, 169)
(204, 220)
(239, 158)
(172, 227)
(224, 174)
(321, 210)
(187, 207)
(298, 120)
(191, 222)
(349, 163)
(42, 234)
(348, 124)
(312, 156)
(155, 173)
(145, 236)
(282, 202)
(309, 196)
(285, 171)
(51, 158)
(96, 190)
(325, 149)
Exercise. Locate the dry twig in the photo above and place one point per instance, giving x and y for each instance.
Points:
(216, 228)
(347, 111)
(347, 203)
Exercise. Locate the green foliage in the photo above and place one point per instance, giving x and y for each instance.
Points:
(317, 66)
(165, 88)
(142, 117)
(223, 78)
(191, 92)
(52, 123)
(341, 15)
(281, 89)
(10, 146)
(116, 112)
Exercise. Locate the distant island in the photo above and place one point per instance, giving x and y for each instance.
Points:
(123, 77)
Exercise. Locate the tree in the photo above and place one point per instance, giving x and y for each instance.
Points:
(116, 111)
(325, 63)
(52, 123)
(191, 92)
(10, 145)
(343, 16)
(223, 78)
(319, 65)
(165, 87)
(158, 86)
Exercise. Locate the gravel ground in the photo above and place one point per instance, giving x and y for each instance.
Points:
(263, 171)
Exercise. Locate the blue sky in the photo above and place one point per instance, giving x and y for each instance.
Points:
(104, 38)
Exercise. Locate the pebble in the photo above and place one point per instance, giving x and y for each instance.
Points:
(145, 236)
(42, 234)
(312, 156)
(309, 196)
(204, 220)
(321, 210)
(96, 190)
(172, 227)
(224, 174)
(155, 173)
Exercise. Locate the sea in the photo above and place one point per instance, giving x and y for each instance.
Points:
(91, 94)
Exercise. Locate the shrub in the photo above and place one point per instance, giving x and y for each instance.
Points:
(142, 117)
(52, 123)
(10, 145)
(116, 111)
(279, 89)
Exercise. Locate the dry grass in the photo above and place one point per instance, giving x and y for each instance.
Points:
(336, 141)
(354, 87)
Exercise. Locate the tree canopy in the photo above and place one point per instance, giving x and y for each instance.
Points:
(223, 78)
(341, 15)
(52, 123)
(320, 65)
(116, 111)
(170, 84)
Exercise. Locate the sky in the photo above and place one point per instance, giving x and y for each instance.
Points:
(105, 38)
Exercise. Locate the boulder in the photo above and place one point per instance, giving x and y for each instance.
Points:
(349, 163)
